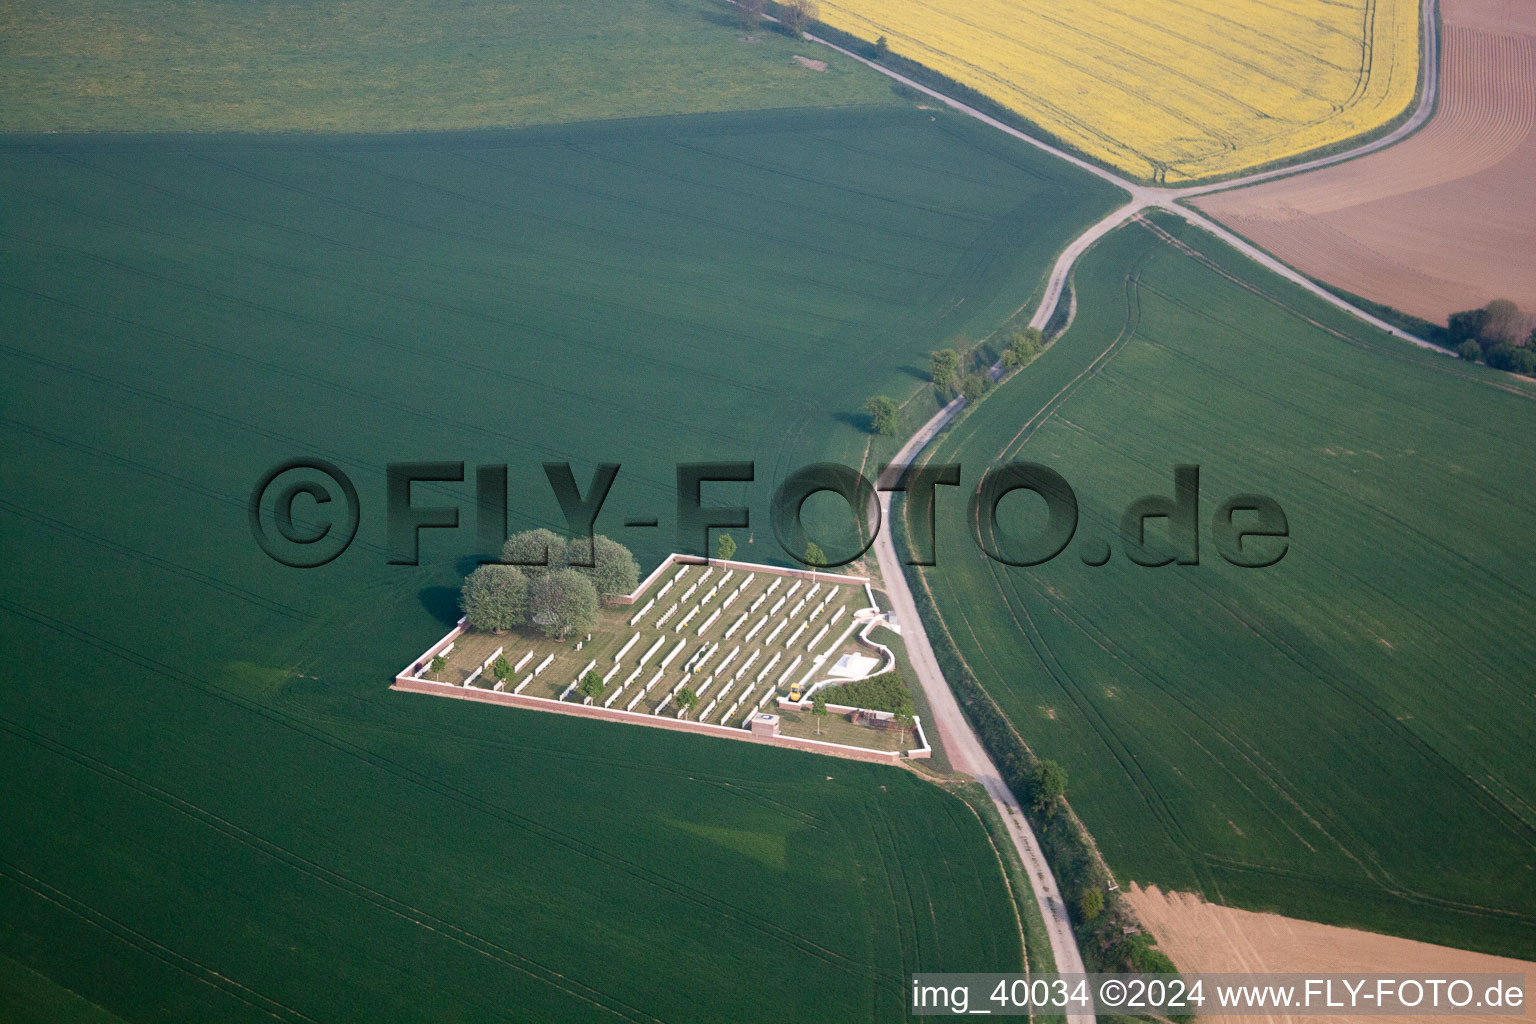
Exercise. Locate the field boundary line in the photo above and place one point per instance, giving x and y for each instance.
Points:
(431, 688)
(1173, 199)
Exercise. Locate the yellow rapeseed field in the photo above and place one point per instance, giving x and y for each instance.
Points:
(1169, 90)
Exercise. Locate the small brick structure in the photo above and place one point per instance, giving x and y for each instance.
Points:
(765, 725)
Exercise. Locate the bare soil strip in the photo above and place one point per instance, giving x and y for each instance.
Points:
(1441, 222)
(1204, 937)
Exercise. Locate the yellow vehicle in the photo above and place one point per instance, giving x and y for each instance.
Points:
(795, 691)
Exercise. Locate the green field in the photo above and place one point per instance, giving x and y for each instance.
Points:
(376, 66)
(215, 809)
(1346, 736)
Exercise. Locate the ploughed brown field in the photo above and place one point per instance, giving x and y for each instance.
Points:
(1207, 938)
(1445, 220)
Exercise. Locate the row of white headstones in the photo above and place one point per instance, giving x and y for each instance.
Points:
(832, 592)
(696, 663)
(501, 684)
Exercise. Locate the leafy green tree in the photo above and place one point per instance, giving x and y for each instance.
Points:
(976, 385)
(1047, 786)
(438, 664)
(905, 710)
(561, 602)
(750, 14)
(814, 557)
(884, 415)
(796, 16)
(528, 550)
(501, 669)
(592, 685)
(1470, 350)
(1466, 324)
(494, 598)
(1505, 356)
(880, 50)
(1023, 346)
(1090, 903)
(615, 571)
(1501, 322)
(687, 699)
(1501, 356)
(944, 369)
(819, 709)
(725, 547)
(1136, 952)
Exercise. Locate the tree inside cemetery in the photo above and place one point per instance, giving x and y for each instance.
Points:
(562, 602)
(494, 598)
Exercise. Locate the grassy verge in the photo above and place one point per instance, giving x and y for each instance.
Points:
(1436, 334)
(1037, 944)
(939, 762)
(1115, 940)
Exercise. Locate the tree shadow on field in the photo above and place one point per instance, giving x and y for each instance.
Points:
(915, 372)
(721, 17)
(442, 602)
(860, 421)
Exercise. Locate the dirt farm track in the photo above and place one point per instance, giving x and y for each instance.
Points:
(1443, 221)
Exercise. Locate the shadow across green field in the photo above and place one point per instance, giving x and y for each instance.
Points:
(377, 66)
(215, 809)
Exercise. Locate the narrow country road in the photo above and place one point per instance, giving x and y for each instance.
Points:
(960, 741)
(1144, 197)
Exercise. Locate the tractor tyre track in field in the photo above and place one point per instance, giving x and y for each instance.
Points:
(676, 888)
(158, 951)
(388, 904)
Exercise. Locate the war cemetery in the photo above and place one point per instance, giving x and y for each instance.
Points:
(707, 645)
